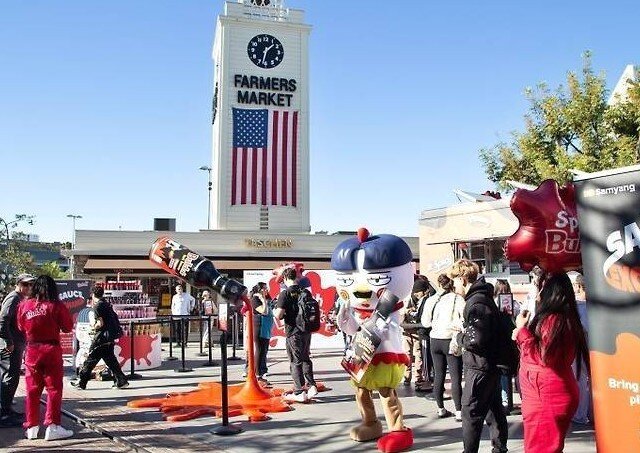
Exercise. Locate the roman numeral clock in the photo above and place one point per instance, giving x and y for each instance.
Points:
(265, 51)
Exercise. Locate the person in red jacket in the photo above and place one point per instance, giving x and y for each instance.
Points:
(41, 318)
(548, 346)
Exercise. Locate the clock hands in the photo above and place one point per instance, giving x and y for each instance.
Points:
(264, 52)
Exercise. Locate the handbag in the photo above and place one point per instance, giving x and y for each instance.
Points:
(454, 347)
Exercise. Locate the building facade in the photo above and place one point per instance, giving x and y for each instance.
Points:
(260, 163)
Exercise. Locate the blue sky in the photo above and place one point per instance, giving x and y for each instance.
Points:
(105, 107)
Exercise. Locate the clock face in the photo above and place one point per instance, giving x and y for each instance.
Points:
(265, 51)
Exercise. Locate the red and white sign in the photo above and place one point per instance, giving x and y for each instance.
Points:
(322, 289)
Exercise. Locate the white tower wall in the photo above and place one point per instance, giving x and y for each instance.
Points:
(235, 29)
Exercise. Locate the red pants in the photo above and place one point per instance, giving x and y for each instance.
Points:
(549, 401)
(44, 368)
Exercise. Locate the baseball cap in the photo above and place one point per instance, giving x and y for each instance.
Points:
(25, 278)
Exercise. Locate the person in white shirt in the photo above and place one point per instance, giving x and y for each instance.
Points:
(443, 312)
(181, 304)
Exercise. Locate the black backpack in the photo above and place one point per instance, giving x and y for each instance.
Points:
(508, 358)
(308, 317)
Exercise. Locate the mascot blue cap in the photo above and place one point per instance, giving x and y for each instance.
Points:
(380, 252)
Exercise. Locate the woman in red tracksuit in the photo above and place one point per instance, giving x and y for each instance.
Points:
(548, 346)
(41, 318)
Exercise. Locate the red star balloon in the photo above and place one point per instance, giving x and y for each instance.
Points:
(548, 235)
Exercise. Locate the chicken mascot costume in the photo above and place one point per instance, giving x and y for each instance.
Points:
(365, 266)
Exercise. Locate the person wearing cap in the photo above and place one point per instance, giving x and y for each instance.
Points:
(12, 344)
(413, 336)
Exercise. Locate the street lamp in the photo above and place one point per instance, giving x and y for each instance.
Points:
(208, 169)
(73, 243)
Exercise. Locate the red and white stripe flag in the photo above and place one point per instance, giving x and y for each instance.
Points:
(264, 157)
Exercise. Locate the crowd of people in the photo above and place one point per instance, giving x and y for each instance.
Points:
(452, 330)
(465, 321)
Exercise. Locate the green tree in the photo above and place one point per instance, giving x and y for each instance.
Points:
(52, 269)
(13, 258)
(14, 261)
(572, 127)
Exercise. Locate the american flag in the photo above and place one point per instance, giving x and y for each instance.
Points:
(264, 157)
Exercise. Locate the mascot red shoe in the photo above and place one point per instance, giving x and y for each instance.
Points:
(366, 266)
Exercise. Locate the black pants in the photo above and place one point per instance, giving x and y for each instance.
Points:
(298, 349)
(99, 352)
(427, 359)
(181, 330)
(481, 399)
(10, 372)
(442, 359)
(262, 347)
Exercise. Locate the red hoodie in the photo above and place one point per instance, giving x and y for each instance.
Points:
(42, 321)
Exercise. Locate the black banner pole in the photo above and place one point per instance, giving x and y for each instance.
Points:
(226, 429)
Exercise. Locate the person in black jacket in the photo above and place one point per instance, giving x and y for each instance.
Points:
(480, 397)
(12, 346)
(107, 330)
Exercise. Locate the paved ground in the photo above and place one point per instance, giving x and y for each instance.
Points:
(321, 426)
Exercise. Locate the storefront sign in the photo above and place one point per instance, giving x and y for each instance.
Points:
(269, 243)
(609, 217)
(74, 294)
(269, 91)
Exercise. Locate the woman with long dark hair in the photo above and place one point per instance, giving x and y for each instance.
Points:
(41, 318)
(548, 346)
(443, 312)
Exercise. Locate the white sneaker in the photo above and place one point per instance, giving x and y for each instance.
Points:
(54, 432)
(299, 398)
(313, 391)
(458, 416)
(32, 433)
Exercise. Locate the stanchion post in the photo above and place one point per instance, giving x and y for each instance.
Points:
(132, 345)
(225, 429)
(183, 368)
(234, 338)
(201, 354)
(171, 337)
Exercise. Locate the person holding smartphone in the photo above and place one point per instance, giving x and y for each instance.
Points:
(548, 344)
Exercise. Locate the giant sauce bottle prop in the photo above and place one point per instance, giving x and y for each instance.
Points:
(195, 269)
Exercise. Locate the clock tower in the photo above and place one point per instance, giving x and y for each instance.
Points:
(260, 165)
